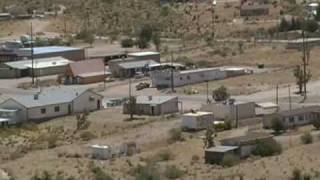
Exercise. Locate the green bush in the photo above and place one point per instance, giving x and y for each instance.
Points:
(172, 172)
(99, 174)
(230, 160)
(223, 126)
(306, 138)
(277, 125)
(127, 43)
(264, 149)
(175, 135)
(316, 123)
(164, 155)
(147, 172)
(86, 136)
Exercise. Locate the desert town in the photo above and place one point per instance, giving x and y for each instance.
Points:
(149, 90)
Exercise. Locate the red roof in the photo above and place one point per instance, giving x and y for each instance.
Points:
(86, 67)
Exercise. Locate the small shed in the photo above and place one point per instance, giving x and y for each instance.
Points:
(215, 155)
(266, 108)
(100, 152)
(197, 120)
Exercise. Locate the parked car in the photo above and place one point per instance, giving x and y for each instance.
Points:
(142, 85)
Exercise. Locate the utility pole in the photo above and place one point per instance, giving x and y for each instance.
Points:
(237, 116)
(130, 100)
(277, 96)
(304, 60)
(208, 101)
(172, 80)
(289, 90)
(32, 54)
(214, 2)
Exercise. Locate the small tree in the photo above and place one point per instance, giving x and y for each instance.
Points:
(299, 75)
(310, 25)
(208, 140)
(132, 104)
(82, 120)
(277, 125)
(306, 138)
(220, 94)
(156, 41)
(316, 123)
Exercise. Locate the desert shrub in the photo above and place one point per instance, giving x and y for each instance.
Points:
(277, 125)
(203, 64)
(267, 148)
(99, 174)
(147, 172)
(45, 175)
(297, 175)
(164, 155)
(306, 138)
(195, 158)
(52, 141)
(220, 94)
(86, 136)
(127, 43)
(223, 126)
(230, 160)
(316, 123)
(175, 135)
(172, 172)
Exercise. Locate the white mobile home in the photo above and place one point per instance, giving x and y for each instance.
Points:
(49, 103)
(162, 79)
(197, 120)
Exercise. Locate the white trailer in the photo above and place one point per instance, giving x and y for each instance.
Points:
(197, 120)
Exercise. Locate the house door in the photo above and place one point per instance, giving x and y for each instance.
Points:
(152, 110)
(69, 109)
(98, 104)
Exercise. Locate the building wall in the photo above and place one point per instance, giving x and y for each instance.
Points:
(21, 115)
(7, 73)
(197, 122)
(169, 107)
(92, 79)
(229, 112)
(163, 78)
(48, 71)
(87, 101)
(36, 114)
(74, 55)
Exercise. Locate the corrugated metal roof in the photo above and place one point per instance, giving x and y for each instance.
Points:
(308, 109)
(137, 64)
(49, 96)
(86, 67)
(153, 99)
(39, 63)
(48, 49)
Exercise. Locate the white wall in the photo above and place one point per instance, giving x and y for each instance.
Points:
(190, 77)
(197, 122)
(170, 107)
(21, 115)
(83, 102)
(35, 113)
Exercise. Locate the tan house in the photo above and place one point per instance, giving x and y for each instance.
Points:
(85, 72)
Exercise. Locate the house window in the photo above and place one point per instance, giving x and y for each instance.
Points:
(181, 78)
(291, 119)
(57, 109)
(188, 77)
(43, 110)
(301, 118)
(91, 98)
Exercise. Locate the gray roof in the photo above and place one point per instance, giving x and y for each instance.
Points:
(222, 149)
(49, 96)
(153, 100)
(137, 64)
